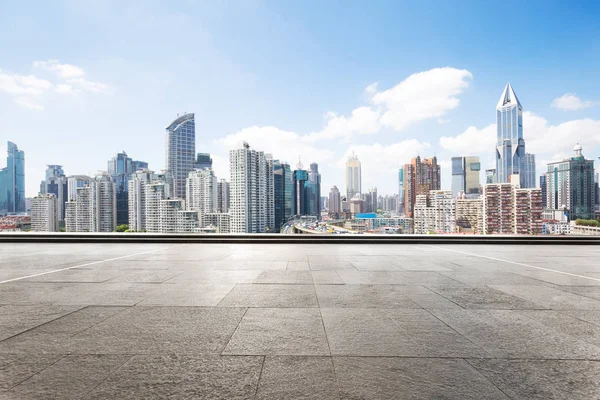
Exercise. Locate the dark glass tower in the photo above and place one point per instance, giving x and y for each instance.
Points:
(12, 181)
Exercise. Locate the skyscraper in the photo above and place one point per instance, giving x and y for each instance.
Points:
(570, 184)
(283, 187)
(401, 191)
(120, 168)
(335, 201)
(528, 180)
(248, 191)
(490, 176)
(300, 195)
(181, 151)
(353, 177)
(222, 196)
(465, 175)
(12, 181)
(203, 160)
(136, 193)
(420, 177)
(510, 145)
(313, 188)
(56, 183)
(543, 187)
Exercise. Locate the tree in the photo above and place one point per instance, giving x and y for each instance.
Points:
(122, 228)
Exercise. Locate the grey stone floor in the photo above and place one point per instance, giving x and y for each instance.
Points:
(277, 321)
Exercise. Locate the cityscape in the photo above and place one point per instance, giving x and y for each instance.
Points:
(264, 194)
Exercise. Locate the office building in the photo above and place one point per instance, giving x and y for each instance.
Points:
(120, 169)
(570, 184)
(465, 175)
(528, 180)
(201, 192)
(300, 195)
(543, 188)
(181, 151)
(510, 144)
(283, 184)
(56, 183)
(490, 176)
(335, 201)
(44, 213)
(12, 181)
(203, 161)
(353, 177)
(313, 191)
(94, 208)
(357, 206)
(250, 176)
(420, 177)
(222, 196)
(435, 212)
(401, 191)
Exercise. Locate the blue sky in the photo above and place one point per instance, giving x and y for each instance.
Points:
(81, 80)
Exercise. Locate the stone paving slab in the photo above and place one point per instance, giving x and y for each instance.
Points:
(309, 321)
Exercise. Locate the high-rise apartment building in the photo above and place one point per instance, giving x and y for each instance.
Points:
(44, 213)
(508, 209)
(465, 175)
(180, 151)
(249, 183)
(510, 145)
(203, 161)
(137, 198)
(56, 183)
(420, 177)
(201, 192)
(335, 201)
(74, 182)
(353, 177)
(12, 181)
(222, 196)
(94, 208)
(468, 214)
(435, 212)
(370, 199)
(570, 184)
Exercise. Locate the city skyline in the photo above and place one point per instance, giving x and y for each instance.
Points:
(260, 86)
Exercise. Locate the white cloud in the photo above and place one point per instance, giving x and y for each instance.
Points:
(84, 84)
(29, 102)
(363, 120)
(540, 137)
(372, 88)
(15, 84)
(65, 71)
(472, 141)
(62, 88)
(421, 96)
(570, 102)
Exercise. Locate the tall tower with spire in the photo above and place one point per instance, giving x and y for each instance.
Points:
(510, 145)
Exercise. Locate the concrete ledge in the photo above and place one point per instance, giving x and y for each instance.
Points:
(39, 237)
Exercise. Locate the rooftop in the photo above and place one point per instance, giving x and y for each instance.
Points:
(302, 320)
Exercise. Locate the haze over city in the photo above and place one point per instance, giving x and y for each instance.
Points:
(388, 82)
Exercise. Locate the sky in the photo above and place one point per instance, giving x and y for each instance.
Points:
(81, 80)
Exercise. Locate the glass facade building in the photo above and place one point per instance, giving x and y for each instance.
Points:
(180, 154)
(510, 145)
(300, 192)
(283, 186)
(203, 161)
(313, 191)
(120, 169)
(465, 175)
(528, 180)
(56, 184)
(12, 181)
(401, 191)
